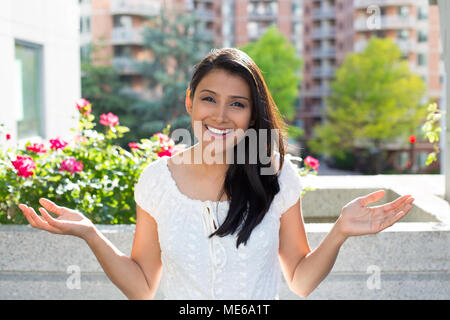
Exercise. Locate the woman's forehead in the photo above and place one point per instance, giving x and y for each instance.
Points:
(224, 84)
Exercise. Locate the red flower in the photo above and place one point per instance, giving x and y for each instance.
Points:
(71, 165)
(24, 166)
(8, 136)
(412, 139)
(84, 106)
(37, 147)
(57, 143)
(134, 145)
(109, 119)
(165, 151)
(312, 162)
(408, 164)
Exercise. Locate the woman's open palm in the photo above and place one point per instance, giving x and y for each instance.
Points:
(68, 222)
(358, 219)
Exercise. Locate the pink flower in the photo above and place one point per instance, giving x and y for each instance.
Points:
(412, 139)
(8, 136)
(71, 165)
(37, 148)
(312, 162)
(57, 143)
(24, 166)
(109, 119)
(84, 106)
(134, 145)
(163, 139)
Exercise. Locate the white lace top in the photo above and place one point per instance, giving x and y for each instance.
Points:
(195, 267)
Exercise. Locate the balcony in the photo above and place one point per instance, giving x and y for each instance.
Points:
(126, 65)
(363, 4)
(323, 33)
(323, 72)
(204, 15)
(124, 36)
(385, 23)
(135, 7)
(323, 13)
(266, 15)
(405, 45)
(321, 53)
(318, 92)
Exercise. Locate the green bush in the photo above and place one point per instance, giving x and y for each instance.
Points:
(89, 173)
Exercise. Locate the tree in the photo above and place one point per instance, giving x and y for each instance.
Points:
(177, 43)
(280, 66)
(100, 84)
(375, 99)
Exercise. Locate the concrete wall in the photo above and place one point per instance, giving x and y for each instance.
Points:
(53, 24)
(407, 261)
(410, 260)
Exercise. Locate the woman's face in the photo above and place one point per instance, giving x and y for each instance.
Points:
(222, 101)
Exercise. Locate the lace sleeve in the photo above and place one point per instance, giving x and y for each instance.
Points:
(143, 194)
(290, 185)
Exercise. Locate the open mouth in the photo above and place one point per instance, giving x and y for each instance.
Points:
(218, 133)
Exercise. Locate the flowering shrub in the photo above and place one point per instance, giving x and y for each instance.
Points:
(89, 173)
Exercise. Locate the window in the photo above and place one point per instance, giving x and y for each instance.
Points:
(422, 36)
(421, 59)
(422, 13)
(122, 21)
(403, 11)
(403, 34)
(28, 89)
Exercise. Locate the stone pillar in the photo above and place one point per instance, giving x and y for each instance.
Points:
(444, 17)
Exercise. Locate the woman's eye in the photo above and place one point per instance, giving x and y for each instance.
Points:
(240, 105)
(208, 99)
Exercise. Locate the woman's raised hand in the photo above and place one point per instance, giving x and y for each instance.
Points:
(358, 219)
(68, 222)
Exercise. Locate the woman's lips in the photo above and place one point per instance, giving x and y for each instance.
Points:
(215, 135)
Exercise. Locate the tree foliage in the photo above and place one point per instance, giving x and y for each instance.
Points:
(375, 98)
(276, 57)
(177, 43)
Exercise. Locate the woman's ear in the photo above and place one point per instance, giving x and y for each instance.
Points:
(188, 101)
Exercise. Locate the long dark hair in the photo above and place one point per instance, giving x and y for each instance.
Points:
(251, 193)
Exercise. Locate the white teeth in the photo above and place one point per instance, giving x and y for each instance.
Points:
(219, 131)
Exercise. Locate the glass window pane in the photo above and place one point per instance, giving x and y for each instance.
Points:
(27, 88)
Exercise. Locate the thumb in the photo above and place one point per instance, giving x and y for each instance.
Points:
(372, 197)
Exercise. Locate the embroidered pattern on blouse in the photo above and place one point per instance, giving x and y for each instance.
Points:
(198, 267)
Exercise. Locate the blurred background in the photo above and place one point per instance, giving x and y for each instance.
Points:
(352, 79)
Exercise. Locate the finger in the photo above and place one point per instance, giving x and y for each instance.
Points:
(397, 203)
(50, 220)
(372, 197)
(40, 223)
(396, 216)
(27, 215)
(51, 206)
(394, 204)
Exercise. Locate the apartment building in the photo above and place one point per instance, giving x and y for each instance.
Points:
(117, 26)
(333, 28)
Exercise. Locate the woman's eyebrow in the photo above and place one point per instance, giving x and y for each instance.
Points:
(234, 97)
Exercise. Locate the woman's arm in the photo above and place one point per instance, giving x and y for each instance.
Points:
(317, 264)
(304, 269)
(125, 272)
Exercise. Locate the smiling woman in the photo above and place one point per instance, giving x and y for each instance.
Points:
(229, 249)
